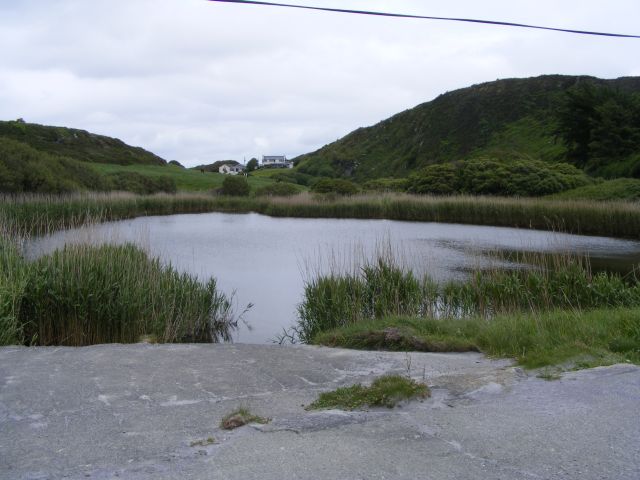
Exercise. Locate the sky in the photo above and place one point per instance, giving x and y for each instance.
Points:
(199, 81)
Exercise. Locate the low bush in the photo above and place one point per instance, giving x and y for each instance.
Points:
(235, 186)
(387, 185)
(279, 189)
(335, 185)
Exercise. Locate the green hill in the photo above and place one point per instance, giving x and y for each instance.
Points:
(512, 119)
(77, 144)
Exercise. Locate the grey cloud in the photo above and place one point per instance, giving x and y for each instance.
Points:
(197, 81)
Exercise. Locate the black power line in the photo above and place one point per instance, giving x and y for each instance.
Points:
(423, 17)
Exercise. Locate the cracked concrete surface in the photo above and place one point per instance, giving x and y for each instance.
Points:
(147, 412)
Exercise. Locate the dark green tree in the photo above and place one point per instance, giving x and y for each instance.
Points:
(335, 185)
(252, 165)
(235, 186)
(599, 125)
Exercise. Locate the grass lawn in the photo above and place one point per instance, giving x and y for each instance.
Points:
(186, 179)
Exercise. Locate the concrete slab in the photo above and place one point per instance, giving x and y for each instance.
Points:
(134, 412)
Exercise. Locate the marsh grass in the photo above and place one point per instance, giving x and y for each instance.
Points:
(382, 287)
(35, 214)
(14, 276)
(84, 295)
(386, 391)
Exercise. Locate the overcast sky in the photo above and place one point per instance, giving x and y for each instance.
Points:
(197, 81)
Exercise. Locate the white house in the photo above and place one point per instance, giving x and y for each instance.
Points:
(276, 161)
(228, 169)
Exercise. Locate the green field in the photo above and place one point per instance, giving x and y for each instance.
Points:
(187, 180)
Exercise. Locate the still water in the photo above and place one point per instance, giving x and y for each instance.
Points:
(265, 260)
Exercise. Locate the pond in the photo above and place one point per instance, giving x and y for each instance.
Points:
(265, 260)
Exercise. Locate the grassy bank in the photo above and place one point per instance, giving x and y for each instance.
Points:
(556, 311)
(381, 288)
(34, 214)
(574, 338)
(84, 295)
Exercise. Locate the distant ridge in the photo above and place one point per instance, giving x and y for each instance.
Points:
(77, 144)
(510, 118)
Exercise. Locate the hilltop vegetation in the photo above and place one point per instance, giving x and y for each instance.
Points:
(77, 144)
(550, 118)
(25, 169)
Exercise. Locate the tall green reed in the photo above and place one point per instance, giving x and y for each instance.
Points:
(83, 295)
(41, 213)
(382, 288)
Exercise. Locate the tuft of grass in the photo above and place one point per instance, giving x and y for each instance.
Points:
(550, 374)
(240, 417)
(203, 443)
(386, 391)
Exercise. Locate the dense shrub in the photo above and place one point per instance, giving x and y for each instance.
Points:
(235, 186)
(294, 177)
(279, 189)
(495, 177)
(600, 126)
(387, 185)
(25, 169)
(335, 185)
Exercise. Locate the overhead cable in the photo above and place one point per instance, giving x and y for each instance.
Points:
(424, 17)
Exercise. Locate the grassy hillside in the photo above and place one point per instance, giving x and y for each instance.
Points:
(77, 144)
(188, 180)
(513, 118)
(25, 169)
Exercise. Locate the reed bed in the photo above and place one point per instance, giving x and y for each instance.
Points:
(85, 295)
(31, 214)
(14, 276)
(383, 288)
